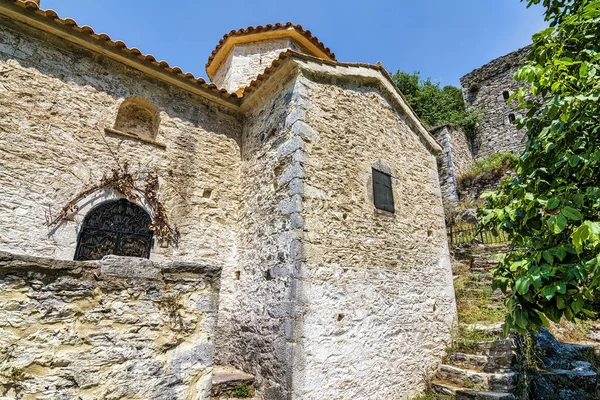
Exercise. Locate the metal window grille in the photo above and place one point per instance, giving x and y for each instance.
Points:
(115, 227)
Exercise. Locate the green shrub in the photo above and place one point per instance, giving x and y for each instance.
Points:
(427, 395)
(242, 391)
(499, 161)
(434, 104)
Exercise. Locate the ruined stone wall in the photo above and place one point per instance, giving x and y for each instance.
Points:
(246, 61)
(120, 328)
(55, 101)
(456, 159)
(483, 88)
(376, 301)
(256, 312)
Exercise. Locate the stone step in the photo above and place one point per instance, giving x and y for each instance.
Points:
(481, 276)
(480, 395)
(460, 393)
(444, 388)
(229, 382)
(495, 329)
(483, 265)
(477, 290)
(493, 299)
(488, 364)
(494, 348)
(481, 381)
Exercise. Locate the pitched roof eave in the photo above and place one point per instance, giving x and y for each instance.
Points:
(29, 13)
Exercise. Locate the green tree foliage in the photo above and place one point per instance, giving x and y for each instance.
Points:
(556, 9)
(551, 207)
(435, 105)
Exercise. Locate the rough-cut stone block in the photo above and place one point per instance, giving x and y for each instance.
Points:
(106, 329)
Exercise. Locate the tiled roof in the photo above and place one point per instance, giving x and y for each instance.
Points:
(104, 39)
(267, 28)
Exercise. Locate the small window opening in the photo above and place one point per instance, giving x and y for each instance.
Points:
(139, 117)
(506, 94)
(383, 196)
(511, 118)
(117, 227)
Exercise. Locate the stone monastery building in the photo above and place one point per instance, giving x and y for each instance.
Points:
(157, 231)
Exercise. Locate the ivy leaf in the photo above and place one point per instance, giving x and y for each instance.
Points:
(548, 257)
(573, 160)
(521, 319)
(579, 236)
(577, 305)
(522, 285)
(548, 292)
(557, 223)
(571, 213)
(553, 203)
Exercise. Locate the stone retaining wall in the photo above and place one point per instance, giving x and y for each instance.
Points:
(119, 328)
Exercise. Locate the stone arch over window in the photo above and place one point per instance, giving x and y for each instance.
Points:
(138, 116)
(117, 227)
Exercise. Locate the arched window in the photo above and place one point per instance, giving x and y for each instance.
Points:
(139, 117)
(115, 227)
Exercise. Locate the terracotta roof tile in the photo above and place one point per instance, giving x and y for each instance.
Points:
(278, 26)
(103, 38)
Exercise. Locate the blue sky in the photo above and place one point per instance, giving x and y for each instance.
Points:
(444, 39)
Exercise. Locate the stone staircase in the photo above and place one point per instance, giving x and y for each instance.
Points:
(486, 369)
(477, 302)
(481, 371)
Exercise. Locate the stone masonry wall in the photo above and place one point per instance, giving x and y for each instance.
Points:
(376, 301)
(256, 312)
(246, 61)
(483, 89)
(456, 159)
(56, 99)
(119, 328)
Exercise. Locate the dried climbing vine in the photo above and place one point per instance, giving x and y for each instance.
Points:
(123, 181)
